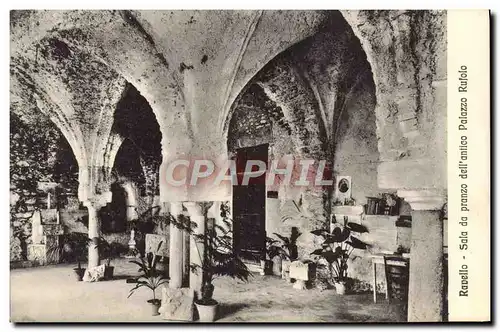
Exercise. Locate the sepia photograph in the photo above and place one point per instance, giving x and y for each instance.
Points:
(240, 166)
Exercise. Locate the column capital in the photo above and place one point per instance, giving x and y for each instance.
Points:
(214, 210)
(98, 201)
(197, 208)
(430, 200)
(176, 208)
(93, 181)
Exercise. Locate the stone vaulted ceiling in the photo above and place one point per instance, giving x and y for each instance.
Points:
(192, 65)
(189, 65)
(312, 82)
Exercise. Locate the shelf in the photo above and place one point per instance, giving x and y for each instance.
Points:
(380, 218)
(348, 210)
(368, 216)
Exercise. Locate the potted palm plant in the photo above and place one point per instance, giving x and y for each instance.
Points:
(150, 278)
(219, 260)
(336, 249)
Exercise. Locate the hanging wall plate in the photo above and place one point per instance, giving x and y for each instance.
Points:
(343, 188)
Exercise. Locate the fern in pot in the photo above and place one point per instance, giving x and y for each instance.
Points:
(219, 260)
(336, 249)
(150, 278)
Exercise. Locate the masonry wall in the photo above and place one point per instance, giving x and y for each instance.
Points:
(356, 155)
(356, 152)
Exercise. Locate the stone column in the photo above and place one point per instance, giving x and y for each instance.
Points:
(185, 259)
(214, 212)
(131, 201)
(426, 289)
(94, 192)
(93, 207)
(197, 212)
(176, 248)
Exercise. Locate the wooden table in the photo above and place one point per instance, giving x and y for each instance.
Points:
(379, 259)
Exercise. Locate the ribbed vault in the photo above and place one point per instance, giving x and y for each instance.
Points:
(192, 65)
(312, 82)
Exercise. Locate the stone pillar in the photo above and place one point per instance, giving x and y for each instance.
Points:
(130, 190)
(185, 259)
(94, 192)
(176, 248)
(197, 212)
(214, 212)
(131, 213)
(426, 289)
(93, 208)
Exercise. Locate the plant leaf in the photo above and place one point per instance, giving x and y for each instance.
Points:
(284, 239)
(319, 232)
(358, 228)
(358, 244)
(317, 252)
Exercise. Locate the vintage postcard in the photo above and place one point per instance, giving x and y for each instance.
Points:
(250, 166)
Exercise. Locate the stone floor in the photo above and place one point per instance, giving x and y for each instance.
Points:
(51, 293)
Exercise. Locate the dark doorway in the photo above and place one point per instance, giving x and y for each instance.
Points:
(114, 215)
(249, 207)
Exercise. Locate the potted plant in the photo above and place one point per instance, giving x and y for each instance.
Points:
(150, 278)
(79, 272)
(275, 254)
(72, 247)
(336, 249)
(286, 253)
(77, 250)
(219, 260)
(108, 252)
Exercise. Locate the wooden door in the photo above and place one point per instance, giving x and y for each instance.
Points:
(249, 209)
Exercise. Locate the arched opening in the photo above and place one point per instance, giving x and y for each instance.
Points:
(316, 100)
(257, 131)
(114, 215)
(135, 192)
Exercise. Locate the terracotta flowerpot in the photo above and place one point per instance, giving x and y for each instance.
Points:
(108, 272)
(79, 273)
(340, 288)
(155, 306)
(207, 311)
